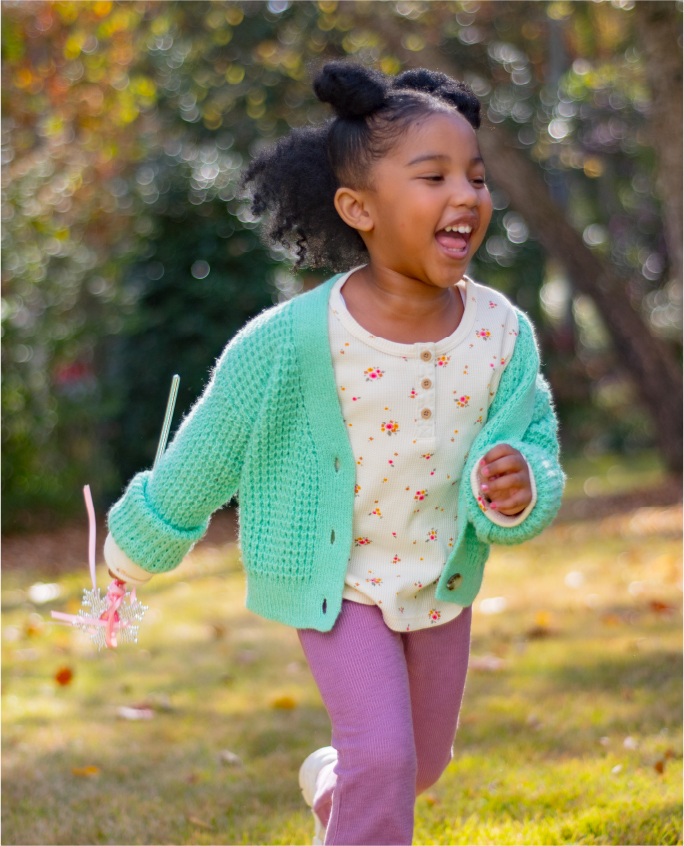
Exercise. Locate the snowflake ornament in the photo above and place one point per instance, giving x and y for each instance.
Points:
(127, 617)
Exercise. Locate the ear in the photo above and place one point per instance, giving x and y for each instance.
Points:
(351, 207)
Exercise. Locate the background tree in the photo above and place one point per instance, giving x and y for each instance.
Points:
(125, 125)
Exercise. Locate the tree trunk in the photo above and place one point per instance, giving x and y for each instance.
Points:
(646, 358)
(658, 28)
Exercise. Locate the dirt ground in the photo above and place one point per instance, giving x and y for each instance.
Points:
(66, 549)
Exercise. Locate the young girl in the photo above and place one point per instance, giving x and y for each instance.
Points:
(383, 430)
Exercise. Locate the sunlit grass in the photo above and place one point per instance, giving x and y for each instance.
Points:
(589, 660)
(610, 473)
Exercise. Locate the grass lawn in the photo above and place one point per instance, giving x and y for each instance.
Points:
(573, 734)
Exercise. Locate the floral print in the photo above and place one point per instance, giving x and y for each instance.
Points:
(409, 462)
(390, 427)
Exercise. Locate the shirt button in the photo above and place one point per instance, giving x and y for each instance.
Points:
(426, 355)
(426, 383)
(455, 581)
(426, 413)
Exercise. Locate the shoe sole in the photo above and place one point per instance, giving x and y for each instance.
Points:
(308, 773)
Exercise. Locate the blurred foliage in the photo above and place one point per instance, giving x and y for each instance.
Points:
(127, 256)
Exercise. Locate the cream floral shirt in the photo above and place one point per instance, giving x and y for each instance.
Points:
(412, 412)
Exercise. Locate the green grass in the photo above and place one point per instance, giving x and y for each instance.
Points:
(585, 663)
(611, 473)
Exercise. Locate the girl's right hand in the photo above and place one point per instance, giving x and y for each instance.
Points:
(120, 565)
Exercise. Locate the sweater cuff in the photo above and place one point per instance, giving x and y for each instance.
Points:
(505, 520)
(143, 535)
(122, 566)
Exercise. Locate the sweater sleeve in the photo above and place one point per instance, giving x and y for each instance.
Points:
(538, 444)
(165, 511)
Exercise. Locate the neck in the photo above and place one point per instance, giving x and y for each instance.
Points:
(399, 297)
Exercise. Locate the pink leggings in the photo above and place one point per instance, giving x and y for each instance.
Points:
(393, 699)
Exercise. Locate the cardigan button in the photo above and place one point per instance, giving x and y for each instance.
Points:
(426, 355)
(426, 383)
(455, 581)
(426, 414)
(337, 464)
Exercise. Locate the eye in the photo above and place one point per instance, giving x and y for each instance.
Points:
(479, 181)
(435, 178)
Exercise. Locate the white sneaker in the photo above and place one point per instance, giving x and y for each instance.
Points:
(308, 773)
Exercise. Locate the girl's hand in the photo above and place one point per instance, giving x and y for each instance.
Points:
(505, 480)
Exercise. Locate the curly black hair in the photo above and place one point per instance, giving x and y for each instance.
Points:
(295, 180)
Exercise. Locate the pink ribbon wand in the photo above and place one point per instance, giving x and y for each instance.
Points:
(104, 617)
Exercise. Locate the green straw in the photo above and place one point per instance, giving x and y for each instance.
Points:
(167, 418)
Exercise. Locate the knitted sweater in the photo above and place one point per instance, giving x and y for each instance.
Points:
(269, 424)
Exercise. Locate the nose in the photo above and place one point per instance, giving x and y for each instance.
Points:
(464, 194)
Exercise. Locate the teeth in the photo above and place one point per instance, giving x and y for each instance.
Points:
(463, 228)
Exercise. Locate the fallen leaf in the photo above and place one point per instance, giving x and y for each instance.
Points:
(200, 823)
(431, 800)
(661, 608)
(285, 703)
(659, 766)
(630, 743)
(543, 619)
(64, 676)
(230, 758)
(537, 632)
(127, 713)
(604, 741)
(670, 753)
(486, 663)
(85, 771)
(617, 769)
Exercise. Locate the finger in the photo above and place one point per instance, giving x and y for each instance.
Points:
(507, 464)
(516, 501)
(499, 486)
(499, 451)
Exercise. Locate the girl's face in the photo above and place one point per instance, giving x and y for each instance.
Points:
(427, 208)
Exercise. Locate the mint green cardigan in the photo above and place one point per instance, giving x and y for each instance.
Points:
(269, 424)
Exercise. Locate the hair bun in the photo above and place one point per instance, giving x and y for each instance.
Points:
(352, 90)
(458, 94)
(421, 79)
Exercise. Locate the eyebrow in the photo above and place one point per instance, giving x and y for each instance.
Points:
(441, 157)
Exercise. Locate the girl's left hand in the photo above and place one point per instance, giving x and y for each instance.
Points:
(505, 480)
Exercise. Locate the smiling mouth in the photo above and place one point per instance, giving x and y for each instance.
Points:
(455, 239)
